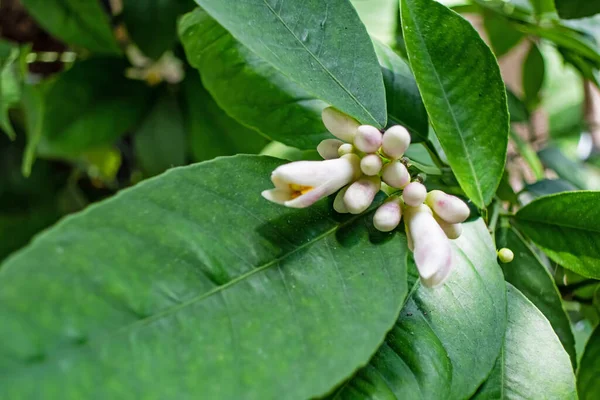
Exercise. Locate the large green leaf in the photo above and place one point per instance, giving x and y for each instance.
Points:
(404, 103)
(77, 22)
(153, 24)
(429, 354)
(211, 132)
(191, 284)
(566, 226)
(320, 44)
(533, 364)
(89, 106)
(248, 88)
(160, 140)
(577, 8)
(463, 92)
(588, 384)
(527, 273)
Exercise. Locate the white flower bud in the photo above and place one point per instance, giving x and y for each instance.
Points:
(395, 141)
(361, 193)
(368, 139)
(338, 202)
(449, 208)
(302, 183)
(432, 250)
(328, 148)
(339, 124)
(344, 149)
(388, 215)
(396, 175)
(452, 231)
(414, 194)
(371, 164)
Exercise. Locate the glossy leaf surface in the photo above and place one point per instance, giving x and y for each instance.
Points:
(320, 44)
(463, 92)
(566, 226)
(164, 296)
(533, 364)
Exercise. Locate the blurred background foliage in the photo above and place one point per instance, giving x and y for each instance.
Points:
(113, 100)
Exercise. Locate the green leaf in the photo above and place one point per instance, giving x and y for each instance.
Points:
(588, 385)
(192, 283)
(211, 132)
(533, 76)
(160, 140)
(549, 186)
(460, 83)
(570, 9)
(566, 168)
(90, 106)
(10, 86)
(529, 155)
(566, 226)
(516, 108)
(80, 23)
(379, 17)
(278, 107)
(429, 353)
(34, 108)
(501, 32)
(533, 364)
(153, 24)
(528, 274)
(320, 44)
(404, 103)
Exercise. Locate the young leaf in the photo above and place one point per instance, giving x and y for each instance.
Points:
(89, 106)
(463, 92)
(588, 385)
(80, 23)
(320, 44)
(527, 273)
(10, 86)
(570, 9)
(160, 140)
(277, 107)
(533, 76)
(191, 283)
(211, 132)
(153, 24)
(566, 226)
(533, 364)
(429, 353)
(405, 106)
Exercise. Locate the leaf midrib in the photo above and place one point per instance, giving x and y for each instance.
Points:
(320, 63)
(171, 310)
(462, 140)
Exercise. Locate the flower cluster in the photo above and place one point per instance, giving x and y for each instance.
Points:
(356, 166)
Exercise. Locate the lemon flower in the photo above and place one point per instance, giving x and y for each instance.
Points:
(302, 183)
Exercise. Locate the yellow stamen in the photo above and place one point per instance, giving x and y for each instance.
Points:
(299, 190)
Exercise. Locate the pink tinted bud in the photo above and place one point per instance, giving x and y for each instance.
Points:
(361, 193)
(396, 175)
(452, 231)
(328, 148)
(371, 164)
(367, 139)
(414, 194)
(432, 250)
(395, 141)
(449, 208)
(388, 215)
(339, 124)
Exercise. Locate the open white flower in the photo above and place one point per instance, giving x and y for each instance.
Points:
(431, 247)
(302, 183)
